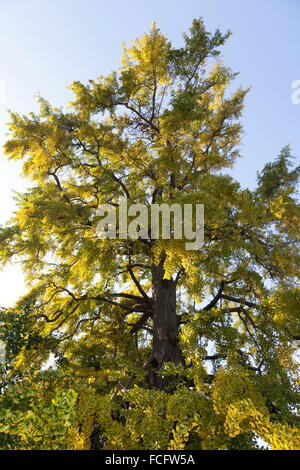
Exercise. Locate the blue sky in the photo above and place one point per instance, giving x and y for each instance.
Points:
(46, 44)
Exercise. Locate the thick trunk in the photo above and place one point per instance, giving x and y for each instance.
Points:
(165, 338)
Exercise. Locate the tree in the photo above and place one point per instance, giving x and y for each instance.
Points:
(31, 416)
(150, 313)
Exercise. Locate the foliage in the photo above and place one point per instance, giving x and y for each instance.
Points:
(31, 421)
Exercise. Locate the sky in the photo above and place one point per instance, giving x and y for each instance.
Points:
(47, 44)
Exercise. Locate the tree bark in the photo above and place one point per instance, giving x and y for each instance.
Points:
(165, 335)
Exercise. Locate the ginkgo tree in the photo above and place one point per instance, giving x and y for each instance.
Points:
(165, 347)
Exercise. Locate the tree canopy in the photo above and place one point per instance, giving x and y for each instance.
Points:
(151, 345)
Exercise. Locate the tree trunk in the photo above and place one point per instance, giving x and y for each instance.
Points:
(165, 338)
